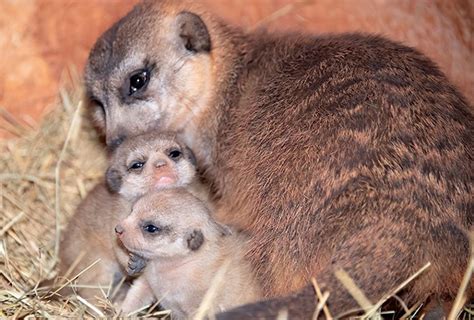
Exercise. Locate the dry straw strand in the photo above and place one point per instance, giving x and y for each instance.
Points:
(460, 298)
(321, 298)
(57, 177)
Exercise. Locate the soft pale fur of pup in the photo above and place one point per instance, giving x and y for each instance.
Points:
(153, 161)
(184, 248)
(89, 235)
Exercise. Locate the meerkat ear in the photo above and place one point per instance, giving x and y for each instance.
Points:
(195, 239)
(113, 179)
(190, 155)
(193, 32)
(224, 229)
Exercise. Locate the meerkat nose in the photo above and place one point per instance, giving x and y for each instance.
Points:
(160, 163)
(119, 229)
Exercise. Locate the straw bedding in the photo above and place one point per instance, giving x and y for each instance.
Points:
(44, 174)
(42, 179)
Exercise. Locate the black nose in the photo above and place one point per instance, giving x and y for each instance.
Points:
(118, 229)
(114, 143)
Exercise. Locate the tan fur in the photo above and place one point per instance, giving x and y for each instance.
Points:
(89, 236)
(90, 232)
(153, 149)
(334, 151)
(179, 275)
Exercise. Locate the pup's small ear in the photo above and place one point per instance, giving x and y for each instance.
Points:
(193, 32)
(195, 239)
(224, 230)
(190, 155)
(113, 179)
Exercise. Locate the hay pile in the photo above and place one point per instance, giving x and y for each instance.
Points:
(44, 174)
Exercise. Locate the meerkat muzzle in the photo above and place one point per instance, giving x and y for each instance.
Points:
(164, 176)
(160, 163)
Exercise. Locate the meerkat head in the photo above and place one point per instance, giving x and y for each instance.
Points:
(167, 224)
(148, 162)
(151, 70)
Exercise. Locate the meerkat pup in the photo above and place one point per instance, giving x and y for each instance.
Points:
(153, 161)
(184, 249)
(147, 162)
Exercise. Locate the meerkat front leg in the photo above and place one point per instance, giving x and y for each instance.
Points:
(139, 295)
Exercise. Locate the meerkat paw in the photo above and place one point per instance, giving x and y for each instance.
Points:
(136, 264)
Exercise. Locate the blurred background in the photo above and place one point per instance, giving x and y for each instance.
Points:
(40, 40)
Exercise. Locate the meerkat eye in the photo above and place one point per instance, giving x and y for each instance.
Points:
(138, 80)
(151, 228)
(175, 154)
(136, 165)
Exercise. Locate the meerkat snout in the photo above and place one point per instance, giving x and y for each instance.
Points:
(164, 173)
(160, 163)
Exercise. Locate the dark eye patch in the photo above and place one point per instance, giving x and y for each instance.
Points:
(175, 154)
(135, 84)
(151, 228)
(136, 165)
(138, 81)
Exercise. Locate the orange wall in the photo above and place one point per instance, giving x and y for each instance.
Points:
(40, 38)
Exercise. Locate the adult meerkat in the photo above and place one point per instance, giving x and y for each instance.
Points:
(142, 164)
(184, 249)
(335, 152)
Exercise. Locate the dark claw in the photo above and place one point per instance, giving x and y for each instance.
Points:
(136, 264)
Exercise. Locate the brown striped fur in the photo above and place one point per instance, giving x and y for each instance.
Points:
(337, 151)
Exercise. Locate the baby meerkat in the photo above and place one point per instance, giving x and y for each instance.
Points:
(141, 164)
(184, 248)
(152, 161)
